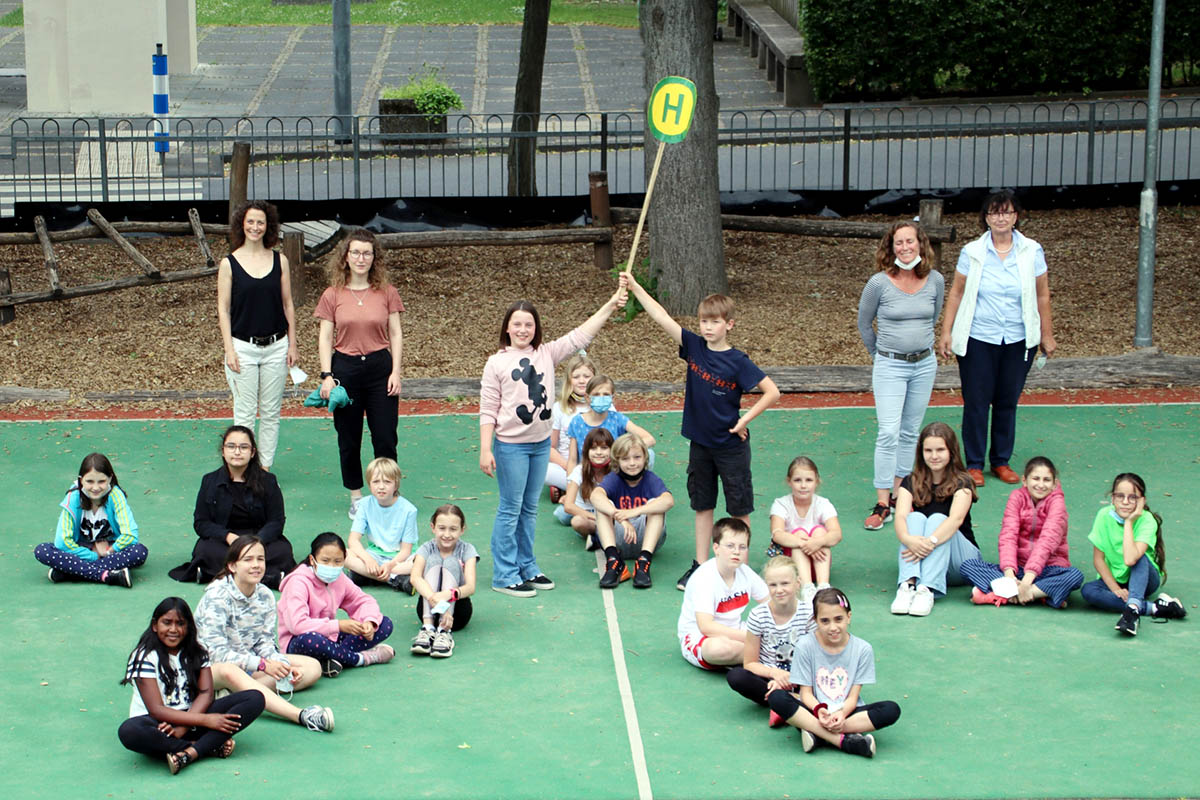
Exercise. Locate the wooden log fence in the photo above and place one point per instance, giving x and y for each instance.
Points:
(39, 227)
(833, 228)
(112, 233)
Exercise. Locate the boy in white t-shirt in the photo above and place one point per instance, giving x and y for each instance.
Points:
(711, 631)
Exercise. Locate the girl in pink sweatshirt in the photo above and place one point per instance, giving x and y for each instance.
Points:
(1032, 543)
(515, 397)
(309, 599)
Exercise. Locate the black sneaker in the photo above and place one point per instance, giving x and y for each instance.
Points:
(1165, 607)
(521, 589)
(540, 581)
(612, 573)
(681, 584)
(1128, 623)
(859, 744)
(641, 574)
(331, 667)
(402, 583)
(58, 576)
(119, 577)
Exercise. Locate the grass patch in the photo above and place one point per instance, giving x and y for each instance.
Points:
(619, 13)
(13, 19)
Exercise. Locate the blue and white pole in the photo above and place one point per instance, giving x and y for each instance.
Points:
(162, 127)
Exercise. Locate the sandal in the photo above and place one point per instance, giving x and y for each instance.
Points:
(177, 761)
(225, 750)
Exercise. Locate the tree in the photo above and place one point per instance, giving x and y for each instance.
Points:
(527, 103)
(686, 250)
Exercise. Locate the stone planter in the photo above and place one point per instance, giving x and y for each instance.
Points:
(401, 116)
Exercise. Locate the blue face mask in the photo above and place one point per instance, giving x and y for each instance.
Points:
(327, 572)
(601, 403)
(1116, 516)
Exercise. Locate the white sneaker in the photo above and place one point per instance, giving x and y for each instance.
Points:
(904, 598)
(807, 594)
(922, 602)
(354, 508)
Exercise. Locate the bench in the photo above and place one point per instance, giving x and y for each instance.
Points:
(777, 46)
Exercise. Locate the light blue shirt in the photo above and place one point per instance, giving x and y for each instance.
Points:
(998, 317)
(386, 527)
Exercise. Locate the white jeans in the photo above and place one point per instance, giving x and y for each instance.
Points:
(258, 391)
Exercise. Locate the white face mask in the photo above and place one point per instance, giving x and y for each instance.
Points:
(909, 265)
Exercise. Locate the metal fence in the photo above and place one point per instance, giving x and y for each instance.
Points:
(941, 147)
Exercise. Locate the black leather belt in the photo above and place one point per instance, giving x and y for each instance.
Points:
(909, 357)
(263, 341)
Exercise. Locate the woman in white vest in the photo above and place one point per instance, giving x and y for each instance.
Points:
(997, 317)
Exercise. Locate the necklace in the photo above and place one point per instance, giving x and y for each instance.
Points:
(356, 297)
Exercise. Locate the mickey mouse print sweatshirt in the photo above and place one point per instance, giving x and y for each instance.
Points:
(516, 393)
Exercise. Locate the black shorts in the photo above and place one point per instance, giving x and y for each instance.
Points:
(732, 465)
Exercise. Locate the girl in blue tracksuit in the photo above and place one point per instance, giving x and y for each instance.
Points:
(97, 538)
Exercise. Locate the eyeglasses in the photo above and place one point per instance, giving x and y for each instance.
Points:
(736, 548)
(1008, 213)
(234, 447)
(1127, 498)
(360, 255)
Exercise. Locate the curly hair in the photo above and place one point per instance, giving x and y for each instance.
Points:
(885, 255)
(339, 265)
(237, 231)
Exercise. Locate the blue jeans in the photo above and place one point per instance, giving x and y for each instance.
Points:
(1143, 580)
(520, 471)
(902, 392)
(944, 563)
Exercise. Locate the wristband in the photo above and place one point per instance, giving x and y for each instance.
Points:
(817, 708)
(454, 595)
(262, 665)
(325, 375)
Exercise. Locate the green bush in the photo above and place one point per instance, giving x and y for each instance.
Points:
(875, 49)
(432, 96)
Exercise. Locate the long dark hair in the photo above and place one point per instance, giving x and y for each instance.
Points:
(237, 230)
(590, 474)
(1160, 549)
(325, 539)
(191, 652)
(100, 463)
(240, 545)
(956, 477)
(254, 471)
(522, 305)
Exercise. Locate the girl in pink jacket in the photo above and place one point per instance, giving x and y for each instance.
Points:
(515, 398)
(309, 599)
(1032, 544)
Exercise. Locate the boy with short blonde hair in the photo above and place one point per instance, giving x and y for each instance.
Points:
(717, 376)
(388, 523)
(631, 507)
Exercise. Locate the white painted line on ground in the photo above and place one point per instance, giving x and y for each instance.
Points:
(285, 53)
(627, 707)
(585, 71)
(479, 91)
(375, 79)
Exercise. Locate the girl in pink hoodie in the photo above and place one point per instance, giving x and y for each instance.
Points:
(309, 599)
(515, 398)
(1032, 543)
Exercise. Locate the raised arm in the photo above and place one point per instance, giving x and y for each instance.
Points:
(596, 321)
(653, 308)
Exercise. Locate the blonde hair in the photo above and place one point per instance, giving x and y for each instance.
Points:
(386, 468)
(573, 363)
(626, 442)
(780, 562)
(716, 305)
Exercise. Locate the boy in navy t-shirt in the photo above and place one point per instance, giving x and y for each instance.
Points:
(631, 506)
(717, 376)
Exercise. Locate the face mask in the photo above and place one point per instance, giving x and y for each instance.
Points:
(601, 403)
(1116, 516)
(631, 476)
(327, 572)
(909, 265)
(576, 397)
(602, 464)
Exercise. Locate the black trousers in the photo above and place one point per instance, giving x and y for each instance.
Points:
(141, 734)
(365, 380)
(748, 685)
(208, 556)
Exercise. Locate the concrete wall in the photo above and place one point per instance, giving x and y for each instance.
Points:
(84, 57)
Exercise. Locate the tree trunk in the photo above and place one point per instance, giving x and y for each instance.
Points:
(527, 104)
(686, 250)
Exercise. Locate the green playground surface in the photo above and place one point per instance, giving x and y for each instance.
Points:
(559, 696)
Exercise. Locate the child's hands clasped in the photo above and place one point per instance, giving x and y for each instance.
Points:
(831, 721)
(173, 730)
(364, 629)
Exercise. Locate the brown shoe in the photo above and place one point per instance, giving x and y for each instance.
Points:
(1005, 473)
(976, 475)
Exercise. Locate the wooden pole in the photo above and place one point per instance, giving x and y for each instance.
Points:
(602, 252)
(7, 312)
(833, 228)
(100, 222)
(930, 212)
(8, 297)
(201, 238)
(91, 231)
(39, 227)
(637, 234)
(239, 175)
(293, 250)
(498, 238)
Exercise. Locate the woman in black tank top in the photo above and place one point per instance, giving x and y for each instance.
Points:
(258, 321)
